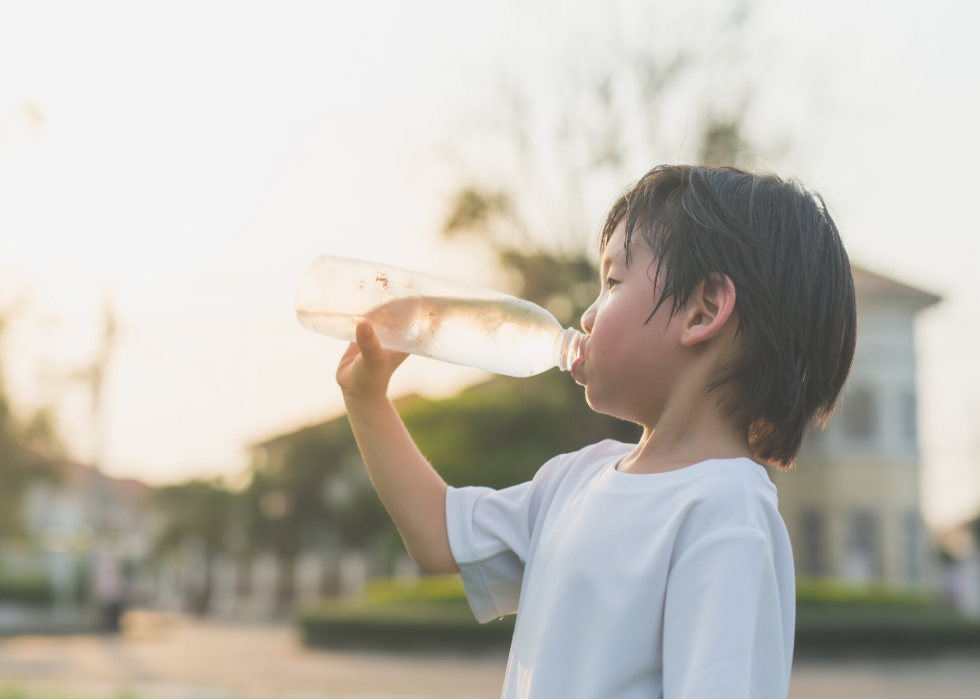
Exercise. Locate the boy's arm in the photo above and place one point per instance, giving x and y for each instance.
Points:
(410, 489)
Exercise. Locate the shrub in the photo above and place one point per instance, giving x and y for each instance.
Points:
(33, 591)
(832, 618)
(419, 589)
(817, 591)
(425, 613)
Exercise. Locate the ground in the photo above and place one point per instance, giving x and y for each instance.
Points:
(179, 658)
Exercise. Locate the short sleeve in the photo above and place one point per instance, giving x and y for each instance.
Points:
(725, 622)
(490, 533)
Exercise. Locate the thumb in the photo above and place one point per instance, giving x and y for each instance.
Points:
(368, 342)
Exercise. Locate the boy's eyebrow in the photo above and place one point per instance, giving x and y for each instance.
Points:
(607, 260)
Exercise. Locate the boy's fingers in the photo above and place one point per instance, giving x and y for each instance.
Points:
(370, 347)
(352, 351)
(367, 342)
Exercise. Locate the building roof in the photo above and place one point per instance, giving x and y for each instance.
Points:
(869, 284)
(128, 489)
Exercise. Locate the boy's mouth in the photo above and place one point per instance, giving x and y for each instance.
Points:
(580, 380)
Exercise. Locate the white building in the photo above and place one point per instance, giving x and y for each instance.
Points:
(852, 503)
(83, 518)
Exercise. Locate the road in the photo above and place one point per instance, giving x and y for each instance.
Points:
(178, 658)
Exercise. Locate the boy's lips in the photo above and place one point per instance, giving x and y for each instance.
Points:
(575, 369)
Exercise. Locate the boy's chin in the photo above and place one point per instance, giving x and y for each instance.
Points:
(595, 402)
(606, 407)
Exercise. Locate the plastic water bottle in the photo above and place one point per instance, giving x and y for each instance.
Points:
(432, 317)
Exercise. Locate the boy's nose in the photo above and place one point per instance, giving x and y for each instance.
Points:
(588, 318)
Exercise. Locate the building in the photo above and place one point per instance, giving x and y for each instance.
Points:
(87, 536)
(852, 503)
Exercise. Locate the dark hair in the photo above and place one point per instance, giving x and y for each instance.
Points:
(794, 292)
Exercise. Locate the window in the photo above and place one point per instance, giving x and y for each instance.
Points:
(909, 418)
(860, 415)
(861, 559)
(913, 548)
(812, 544)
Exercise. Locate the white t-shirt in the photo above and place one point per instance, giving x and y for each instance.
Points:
(676, 584)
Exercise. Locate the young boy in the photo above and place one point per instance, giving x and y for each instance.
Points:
(725, 326)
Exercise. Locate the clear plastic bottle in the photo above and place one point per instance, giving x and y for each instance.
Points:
(432, 317)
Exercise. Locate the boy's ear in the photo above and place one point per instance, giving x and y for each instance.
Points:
(709, 307)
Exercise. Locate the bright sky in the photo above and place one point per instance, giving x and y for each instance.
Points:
(194, 158)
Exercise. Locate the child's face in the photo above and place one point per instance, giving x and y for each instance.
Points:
(628, 365)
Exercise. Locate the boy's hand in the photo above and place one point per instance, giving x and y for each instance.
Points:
(366, 367)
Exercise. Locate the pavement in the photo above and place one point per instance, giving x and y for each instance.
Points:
(174, 657)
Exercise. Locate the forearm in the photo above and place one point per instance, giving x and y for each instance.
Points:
(410, 489)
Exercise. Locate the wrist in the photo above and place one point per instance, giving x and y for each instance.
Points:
(365, 400)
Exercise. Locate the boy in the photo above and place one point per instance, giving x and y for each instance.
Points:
(725, 325)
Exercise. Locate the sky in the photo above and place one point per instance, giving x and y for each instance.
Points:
(189, 160)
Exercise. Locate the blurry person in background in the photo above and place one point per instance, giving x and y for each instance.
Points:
(108, 587)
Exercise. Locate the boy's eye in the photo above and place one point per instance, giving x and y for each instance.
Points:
(610, 281)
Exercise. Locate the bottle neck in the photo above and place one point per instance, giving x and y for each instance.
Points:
(568, 347)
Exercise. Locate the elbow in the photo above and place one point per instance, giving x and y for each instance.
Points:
(441, 564)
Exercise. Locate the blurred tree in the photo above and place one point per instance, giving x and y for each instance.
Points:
(499, 433)
(30, 451)
(555, 160)
(309, 490)
(535, 220)
(722, 142)
(549, 160)
(311, 483)
(974, 525)
(196, 515)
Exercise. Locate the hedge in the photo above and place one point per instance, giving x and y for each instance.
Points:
(404, 626)
(398, 614)
(832, 619)
(33, 591)
(848, 627)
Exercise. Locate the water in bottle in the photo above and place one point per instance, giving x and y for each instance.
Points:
(433, 317)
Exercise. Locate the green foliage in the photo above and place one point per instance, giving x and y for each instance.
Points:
(825, 592)
(828, 591)
(431, 611)
(495, 434)
(18, 693)
(195, 510)
(424, 588)
(722, 142)
(472, 210)
(398, 614)
(323, 486)
(31, 590)
(499, 433)
(566, 285)
(834, 617)
(28, 453)
(842, 629)
(563, 283)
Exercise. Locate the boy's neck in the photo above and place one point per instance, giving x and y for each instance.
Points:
(686, 435)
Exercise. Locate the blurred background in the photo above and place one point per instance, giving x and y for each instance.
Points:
(174, 458)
